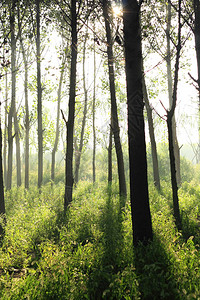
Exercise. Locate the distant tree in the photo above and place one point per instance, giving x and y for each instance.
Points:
(140, 210)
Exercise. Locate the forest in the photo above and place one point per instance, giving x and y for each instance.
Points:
(100, 149)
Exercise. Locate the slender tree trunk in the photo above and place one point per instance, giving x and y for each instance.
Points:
(27, 126)
(18, 158)
(114, 113)
(152, 137)
(170, 115)
(110, 157)
(170, 91)
(140, 210)
(39, 99)
(5, 131)
(93, 117)
(79, 152)
(2, 202)
(71, 110)
(27, 121)
(53, 158)
(13, 95)
(197, 47)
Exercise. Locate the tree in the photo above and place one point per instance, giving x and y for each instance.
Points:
(71, 109)
(39, 98)
(170, 91)
(85, 109)
(114, 113)
(13, 94)
(140, 210)
(170, 115)
(2, 202)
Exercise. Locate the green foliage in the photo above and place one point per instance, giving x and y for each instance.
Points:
(89, 254)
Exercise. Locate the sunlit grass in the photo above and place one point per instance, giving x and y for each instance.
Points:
(89, 253)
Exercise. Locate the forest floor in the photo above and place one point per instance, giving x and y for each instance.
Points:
(88, 254)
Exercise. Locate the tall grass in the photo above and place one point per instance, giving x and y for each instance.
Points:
(89, 254)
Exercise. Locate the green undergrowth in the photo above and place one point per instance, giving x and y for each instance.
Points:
(89, 254)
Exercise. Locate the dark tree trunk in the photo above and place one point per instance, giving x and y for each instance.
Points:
(71, 110)
(197, 47)
(140, 210)
(170, 115)
(173, 172)
(156, 175)
(114, 113)
(39, 99)
(13, 95)
(79, 152)
(170, 91)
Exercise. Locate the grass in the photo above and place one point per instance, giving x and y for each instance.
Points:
(89, 253)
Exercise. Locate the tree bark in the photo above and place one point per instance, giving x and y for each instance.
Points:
(79, 152)
(156, 175)
(27, 121)
(114, 113)
(71, 110)
(197, 47)
(140, 210)
(170, 115)
(170, 91)
(39, 99)
(5, 131)
(13, 96)
(2, 202)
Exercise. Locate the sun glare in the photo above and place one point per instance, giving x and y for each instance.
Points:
(117, 10)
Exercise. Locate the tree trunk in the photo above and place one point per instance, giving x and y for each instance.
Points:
(170, 115)
(5, 131)
(27, 125)
(13, 95)
(79, 152)
(93, 117)
(170, 91)
(156, 175)
(2, 202)
(197, 47)
(53, 158)
(71, 110)
(140, 210)
(110, 157)
(114, 113)
(18, 158)
(173, 172)
(27, 121)
(39, 99)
